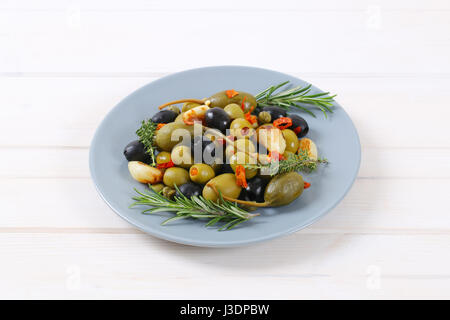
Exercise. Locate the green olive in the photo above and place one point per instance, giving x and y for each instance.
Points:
(175, 176)
(225, 183)
(179, 118)
(188, 106)
(291, 140)
(221, 100)
(163, 157)
(283, 189)
(241, 128)
(171, 134)
(271, 138)
(201, 173)
(181, 156)
(174, 109)
(244, 145)
(287, 154)
(241, 158)
(157, 187)
(234, 111)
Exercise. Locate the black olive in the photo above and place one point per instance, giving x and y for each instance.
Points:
(226, 168)
(164, 116)
(200, 142)
(275, 112)
(135, 151)
(299, 125)
(255, 190)
(217, 118)
(208, 149)
(189, 189)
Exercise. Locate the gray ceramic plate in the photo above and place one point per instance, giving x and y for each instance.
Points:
(336, 139)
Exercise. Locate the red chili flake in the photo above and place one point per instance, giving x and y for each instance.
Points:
(283, 123)
(243, 103)
(298, 130)
(160, 125)
(306, 185)
(275, 155)
(240, 176)
(245, 131)
(250, 118)
(231, 137)
(194, 171)
(231, 93)
(165, 165)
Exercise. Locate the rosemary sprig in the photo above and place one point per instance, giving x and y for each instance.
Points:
(146, 134)
(196, 207)
(294, 98)
(301, 162)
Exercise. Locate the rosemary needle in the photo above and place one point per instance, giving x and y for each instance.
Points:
(196, 207)
(295, 97)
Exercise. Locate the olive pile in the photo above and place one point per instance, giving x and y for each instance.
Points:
(233, 133)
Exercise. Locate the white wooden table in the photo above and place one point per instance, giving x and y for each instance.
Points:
(65, 64)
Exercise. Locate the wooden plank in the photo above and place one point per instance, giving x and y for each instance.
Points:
(394, 206)
(387, 111)
(73, 163)
(298, 266)
(371, 41)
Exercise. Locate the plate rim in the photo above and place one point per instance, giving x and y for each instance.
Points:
(211, 243)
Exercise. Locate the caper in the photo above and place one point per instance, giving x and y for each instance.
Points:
(168, 192)
(201, 173)
(175, 176)
(291, 140)
(157, 187)
(225, 183)
(264, 117)
(181, 156)
(234, 111)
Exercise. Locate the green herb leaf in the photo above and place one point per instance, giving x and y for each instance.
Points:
(295, 97)
(146, 134)
(301, 162)
(196, 207)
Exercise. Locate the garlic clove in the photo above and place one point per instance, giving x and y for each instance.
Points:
(144, 173)
(309, 146)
